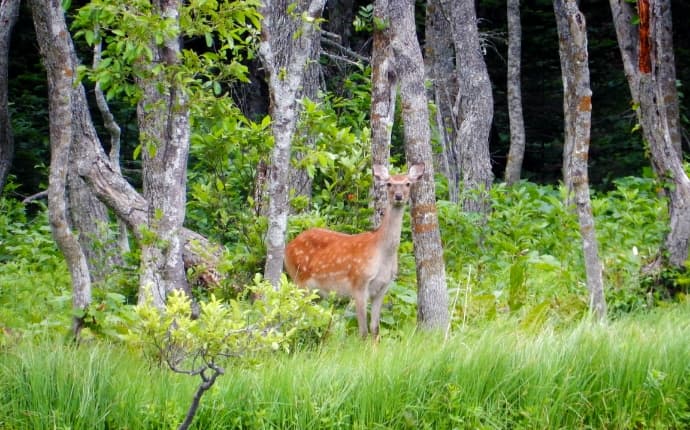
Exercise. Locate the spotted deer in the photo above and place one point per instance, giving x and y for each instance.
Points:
(362, 265)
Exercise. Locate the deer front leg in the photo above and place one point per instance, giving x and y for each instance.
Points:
(361, 307)
(376, 304)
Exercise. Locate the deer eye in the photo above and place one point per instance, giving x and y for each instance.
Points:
(407, 184)
(388, 184)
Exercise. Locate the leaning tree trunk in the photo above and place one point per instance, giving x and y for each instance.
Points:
(432, 294)
(649, 64)
(516, 153)
(284, 55)
(475, 110)
(578, 102)
(55, 46)
(163, 118)
(440, 70)
(383, 95)
(9, 11)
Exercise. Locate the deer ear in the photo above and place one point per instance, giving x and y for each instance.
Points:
(416, 171)
(380, 173)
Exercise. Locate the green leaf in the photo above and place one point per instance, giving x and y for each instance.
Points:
(136, 152)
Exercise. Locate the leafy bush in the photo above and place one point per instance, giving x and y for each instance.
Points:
(35, 297)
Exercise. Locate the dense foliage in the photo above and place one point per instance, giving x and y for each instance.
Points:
(523, 263)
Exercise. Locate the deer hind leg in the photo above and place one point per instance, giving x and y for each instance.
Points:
(361, 307)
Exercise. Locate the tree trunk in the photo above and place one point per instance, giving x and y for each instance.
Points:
(432, 294)
(568, 111)
(55, 45)
(440, 70)
(573, 46)
(114, 131)
(651, 78)
(284, 55)
(475, 107)
(340, 16)
(163, 117)
(300, 181)
(383, 95)
(516, 153)
(9, 11)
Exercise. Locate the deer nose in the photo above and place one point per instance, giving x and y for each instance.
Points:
(398, 197)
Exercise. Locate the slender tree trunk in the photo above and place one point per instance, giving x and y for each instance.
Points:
(284, 55)
(163, 117)
(55, 45)
(114, 131)
(516, 152)
(9, 11)
(432, 294)
(650, 69)
(340, 16)
(573, 46)
(475, 107)
(441, 72)
(383, 95)
(300, 181)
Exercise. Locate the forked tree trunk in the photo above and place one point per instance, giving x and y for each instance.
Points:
(649, 64)
(9, 11)
(516, 153)
(55, 45)
(578, 105)
(284, 55)
(432, 293)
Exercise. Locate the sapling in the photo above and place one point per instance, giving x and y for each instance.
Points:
(237, 329)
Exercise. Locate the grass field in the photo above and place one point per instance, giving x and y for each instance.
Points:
(632, 373)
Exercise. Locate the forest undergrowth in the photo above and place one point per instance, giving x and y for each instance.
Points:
(520, 351)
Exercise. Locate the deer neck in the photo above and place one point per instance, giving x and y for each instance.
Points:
(390, 229)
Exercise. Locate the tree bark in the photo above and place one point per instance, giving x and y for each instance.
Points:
(9, 11)
(114, 131)
(475, 106)
(284, 55)
(655, 94)
(568, 100)
(383, 96)
(573, 45)
(432, 294)
(300, 181)
(340, 16)
(441, 72)
(55, 46)
(516, 153)
(163, 117)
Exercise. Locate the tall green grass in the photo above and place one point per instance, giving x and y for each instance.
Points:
(633, 373)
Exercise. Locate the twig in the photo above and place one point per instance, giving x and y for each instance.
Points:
(40, 195)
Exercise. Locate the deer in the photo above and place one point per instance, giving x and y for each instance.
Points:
(360, 266)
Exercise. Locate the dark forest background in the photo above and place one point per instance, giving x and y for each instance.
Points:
(616, 147)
